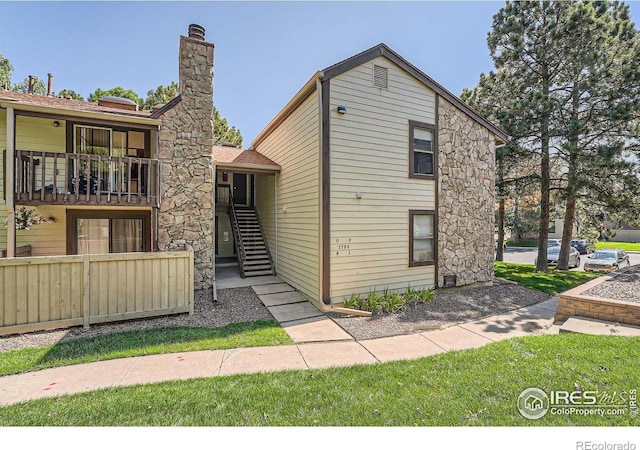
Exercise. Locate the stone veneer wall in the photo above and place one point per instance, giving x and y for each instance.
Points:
(186, 215)
(466, 169)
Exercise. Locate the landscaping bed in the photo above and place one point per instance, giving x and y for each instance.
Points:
(614, 298)
(447, 308)
(625, 287)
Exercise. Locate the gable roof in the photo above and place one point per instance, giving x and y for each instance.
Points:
(239, 160)
(366, 56)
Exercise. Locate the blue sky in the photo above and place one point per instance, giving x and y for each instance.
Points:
(264, 51)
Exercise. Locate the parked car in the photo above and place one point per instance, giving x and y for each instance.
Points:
(553, 252)
(553, 242)
(607, 261)
(583, 246)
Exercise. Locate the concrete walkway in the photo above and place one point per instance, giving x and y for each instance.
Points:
(336, 351)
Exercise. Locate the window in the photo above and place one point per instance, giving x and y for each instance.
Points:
(91, 232)
(422, 155)
(422, 238)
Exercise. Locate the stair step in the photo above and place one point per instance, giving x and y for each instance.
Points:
(262, 256)
(261, 267)
(258, 273)
(257, 263)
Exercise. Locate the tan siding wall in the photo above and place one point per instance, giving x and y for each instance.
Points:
(37, 134)
(46, 239)
(295, 146)
(370, 154)
(265, 204)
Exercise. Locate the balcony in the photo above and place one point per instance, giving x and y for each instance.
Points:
(81, 179)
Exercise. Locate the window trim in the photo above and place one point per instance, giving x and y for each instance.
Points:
(423, 212)
(412, 126)
(74, 214)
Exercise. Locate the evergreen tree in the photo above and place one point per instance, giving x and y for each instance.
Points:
(6, 69)
(161, 95)
(222, 132)
(116, 92)
(68, 93)
(526, 47)
(598, 96)
(38, 86)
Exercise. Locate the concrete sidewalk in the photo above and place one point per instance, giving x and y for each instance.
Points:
(537, 319)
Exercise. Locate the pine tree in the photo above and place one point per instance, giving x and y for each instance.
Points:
(526, 47)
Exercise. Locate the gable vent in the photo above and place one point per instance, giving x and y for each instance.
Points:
(380, 77)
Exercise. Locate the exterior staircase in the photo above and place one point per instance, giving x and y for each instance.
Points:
(254, 258)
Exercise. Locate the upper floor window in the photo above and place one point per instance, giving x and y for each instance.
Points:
(422, 153)
(110, 142)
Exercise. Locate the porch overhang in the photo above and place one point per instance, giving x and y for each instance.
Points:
(64, 114)
(242, 161)
(247, 168)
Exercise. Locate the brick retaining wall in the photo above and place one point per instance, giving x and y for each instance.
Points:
(572, 303)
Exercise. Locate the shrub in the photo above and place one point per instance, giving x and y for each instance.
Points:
(424, 296)
(393, 302)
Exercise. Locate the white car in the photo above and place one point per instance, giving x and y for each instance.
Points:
(553, 253)
(607, 261)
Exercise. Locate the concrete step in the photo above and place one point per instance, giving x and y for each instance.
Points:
(586, 325)
(257, 273)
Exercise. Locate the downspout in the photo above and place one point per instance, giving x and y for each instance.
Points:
(215, 234)
(320, 191)
(9, 198)
(276, 176)
(156, 139)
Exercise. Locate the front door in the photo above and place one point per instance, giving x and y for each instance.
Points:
(239, 189)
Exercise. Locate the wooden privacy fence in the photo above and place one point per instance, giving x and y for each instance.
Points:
(49, 292)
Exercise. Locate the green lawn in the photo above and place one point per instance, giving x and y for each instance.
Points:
(552, 282)
(628, 246)
(143, 342)
(522, 244)
(464, 388)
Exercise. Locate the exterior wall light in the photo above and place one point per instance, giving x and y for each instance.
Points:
(56, 123)
(342, 110)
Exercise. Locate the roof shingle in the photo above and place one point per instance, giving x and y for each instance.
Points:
(66, 104)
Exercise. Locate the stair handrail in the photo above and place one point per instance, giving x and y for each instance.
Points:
(273, 268)
(240, 252)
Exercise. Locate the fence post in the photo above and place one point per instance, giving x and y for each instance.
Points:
(86, 310)
(191, 273)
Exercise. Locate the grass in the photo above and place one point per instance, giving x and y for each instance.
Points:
(627, 246)
(552, 282)
(143, 342)
(531, 244)
(475, 387)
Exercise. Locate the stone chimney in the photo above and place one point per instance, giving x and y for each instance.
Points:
(31, 83)
(186, 216)
(50, 85)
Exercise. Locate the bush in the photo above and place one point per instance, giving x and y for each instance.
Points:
(388, 302)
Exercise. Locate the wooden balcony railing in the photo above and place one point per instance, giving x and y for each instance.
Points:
(71, 178)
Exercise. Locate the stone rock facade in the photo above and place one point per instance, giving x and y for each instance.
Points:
(186, 215)
(466, 169)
